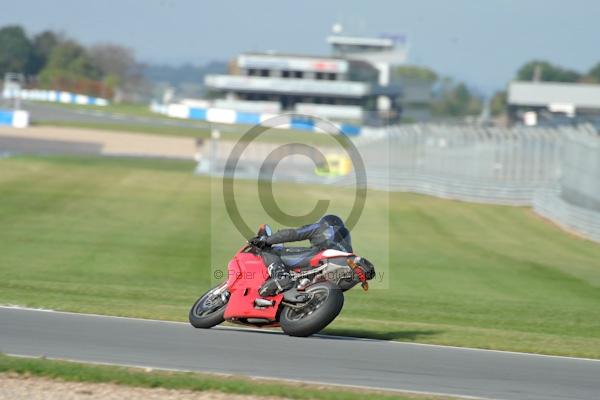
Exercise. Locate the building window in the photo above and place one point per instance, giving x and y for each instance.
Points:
(252, 72)
(298, 74)
(319, 75)
(285, 74)
(331, 76)
(264, 72)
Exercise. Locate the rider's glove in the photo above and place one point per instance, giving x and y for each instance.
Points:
(259, 241)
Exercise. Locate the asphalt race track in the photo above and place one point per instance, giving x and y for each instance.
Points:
(334, 360)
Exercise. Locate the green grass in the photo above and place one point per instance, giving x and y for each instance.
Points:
(133, 238)
(202, 130)
(197, 129)
(70, 371)
(136, 109)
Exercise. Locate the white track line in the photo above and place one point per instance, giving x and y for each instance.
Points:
(235, 328)
(261, 378)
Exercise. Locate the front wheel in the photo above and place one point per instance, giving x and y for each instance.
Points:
(318, 312)
(209, 310)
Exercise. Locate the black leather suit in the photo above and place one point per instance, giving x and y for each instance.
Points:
(321, 236)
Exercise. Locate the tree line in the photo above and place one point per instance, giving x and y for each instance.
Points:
(51, 60)
(455, 99)
(449, 98)
(545, 71)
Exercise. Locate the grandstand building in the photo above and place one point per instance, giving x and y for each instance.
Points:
(352, 84)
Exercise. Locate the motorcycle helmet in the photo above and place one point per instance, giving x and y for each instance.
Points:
(333, 234)
(332, 220)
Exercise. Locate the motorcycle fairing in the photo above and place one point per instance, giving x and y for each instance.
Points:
(325, 254)
(246, 274)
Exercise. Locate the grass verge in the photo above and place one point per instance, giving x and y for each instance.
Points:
(132, 109)
(137, 118)
(138, 238)
(228, 132)
(79, 372)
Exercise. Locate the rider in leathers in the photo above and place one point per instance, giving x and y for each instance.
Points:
(328, 233)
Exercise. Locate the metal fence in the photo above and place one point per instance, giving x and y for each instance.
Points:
(556, 170)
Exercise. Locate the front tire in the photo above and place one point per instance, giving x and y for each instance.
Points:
(209, 309)
(318, 312)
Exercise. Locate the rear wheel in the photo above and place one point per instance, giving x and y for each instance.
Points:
(314, 315)
(208, 310)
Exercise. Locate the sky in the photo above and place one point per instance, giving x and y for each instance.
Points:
(481, 42)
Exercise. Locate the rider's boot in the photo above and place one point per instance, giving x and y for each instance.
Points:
(281, 280)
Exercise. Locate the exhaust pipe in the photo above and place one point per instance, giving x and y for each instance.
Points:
(263, 303)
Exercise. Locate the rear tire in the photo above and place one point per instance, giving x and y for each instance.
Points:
(315, 316)
(204, 314)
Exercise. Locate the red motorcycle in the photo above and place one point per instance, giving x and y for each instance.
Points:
(320, 278)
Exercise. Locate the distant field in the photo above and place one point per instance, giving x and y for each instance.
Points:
(193, 128)
(134, 109)
(131, 237)
(231, 132)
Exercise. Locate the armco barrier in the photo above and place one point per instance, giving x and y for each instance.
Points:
(14, 118)
(228, 116)
(554, 170)
(549, 204)
(54, 96)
